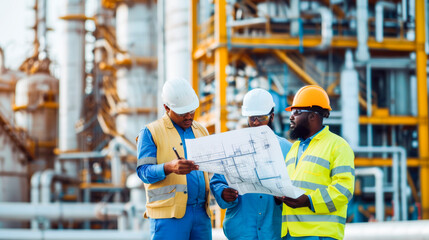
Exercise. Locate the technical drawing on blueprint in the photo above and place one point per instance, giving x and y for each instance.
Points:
(250, 159)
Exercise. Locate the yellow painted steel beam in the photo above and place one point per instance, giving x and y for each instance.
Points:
(53, 105)
(390, 120)
(221, 60)
(380, 162)
(194, 64)
(279, 41)
(47, 144)
(142, 61)
(76, 17)
(294, 67)
(285, 41)
(111, 4)
(422, 102)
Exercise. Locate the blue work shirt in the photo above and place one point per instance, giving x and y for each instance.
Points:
(253, 215)
(152, 173)
(303, 145)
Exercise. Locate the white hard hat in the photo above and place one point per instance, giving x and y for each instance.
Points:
(179, 96)
(257, 102)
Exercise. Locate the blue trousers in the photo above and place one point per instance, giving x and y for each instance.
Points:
(194, 225)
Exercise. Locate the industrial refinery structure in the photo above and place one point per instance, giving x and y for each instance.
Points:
(68, 154)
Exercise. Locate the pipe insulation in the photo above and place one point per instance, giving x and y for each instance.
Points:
(21, 234)
(350, 101)
(64, 211)
(379, 193)
(362, 51)
(416, 230)
(399, 176)
(379, 18)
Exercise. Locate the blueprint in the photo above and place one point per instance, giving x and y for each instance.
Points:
(250, 159)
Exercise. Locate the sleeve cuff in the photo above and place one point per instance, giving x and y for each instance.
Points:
(311, 203)
(223, 204)
(160, 170)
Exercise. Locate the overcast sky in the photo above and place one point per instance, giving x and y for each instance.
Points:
(15, 35)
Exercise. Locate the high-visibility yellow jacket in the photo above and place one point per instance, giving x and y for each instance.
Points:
(167, 198)
(326, 172)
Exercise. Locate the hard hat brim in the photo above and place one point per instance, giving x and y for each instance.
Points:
(185, 109)
(290, 108)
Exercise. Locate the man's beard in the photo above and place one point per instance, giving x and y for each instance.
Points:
(299, 131)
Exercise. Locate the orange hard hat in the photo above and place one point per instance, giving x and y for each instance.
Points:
(310, 96)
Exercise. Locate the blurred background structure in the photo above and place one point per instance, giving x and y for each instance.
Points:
(72, 107)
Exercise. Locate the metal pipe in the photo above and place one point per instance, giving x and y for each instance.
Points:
(47, 178)
(326, 15)
(387, 230)
(135, 36)
(362, 52)
(137, 196)
(64, 211)
(379, 192)
(368, 102)
(115, 162)
(35, 195)
(404, 10)
(71, 61)
(294, 14)
(395, 150)
(161, 53)
(350, 101)
(41, 25)
(379, 18)
(21, 234)
(177, 46)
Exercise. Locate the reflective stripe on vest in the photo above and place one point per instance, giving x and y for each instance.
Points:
(146, 160)
(344, 191)
(342, 169)
(328, 200)
(290, 161)
(314, 218)
(308, 185)
(166, 192)
(317, 160)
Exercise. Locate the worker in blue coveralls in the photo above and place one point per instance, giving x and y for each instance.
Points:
(253, 215)
(177, 202)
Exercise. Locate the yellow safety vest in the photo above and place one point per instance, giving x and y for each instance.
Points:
(167, 198)
(326, 172)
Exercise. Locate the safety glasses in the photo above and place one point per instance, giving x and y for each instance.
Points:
(297, 112)
(261, 118)
(184, 114)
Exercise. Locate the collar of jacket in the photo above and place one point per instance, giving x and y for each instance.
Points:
(322, 133)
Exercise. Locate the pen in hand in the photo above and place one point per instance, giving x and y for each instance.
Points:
(189, 163)
(177, 154)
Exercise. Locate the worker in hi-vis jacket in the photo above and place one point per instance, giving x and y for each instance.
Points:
(322, 164)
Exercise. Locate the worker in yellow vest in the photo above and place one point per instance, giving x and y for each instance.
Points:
(321, 163)
(176, 195)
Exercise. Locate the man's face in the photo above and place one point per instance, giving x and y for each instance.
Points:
(299, 124)
(183, 120)
(255, 121)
